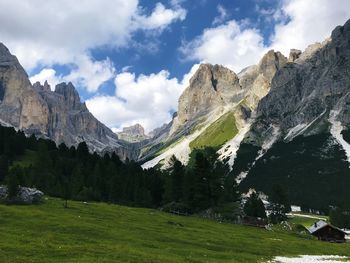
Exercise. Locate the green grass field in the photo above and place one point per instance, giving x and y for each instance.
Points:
(306, 221)
(217, 133)
(98, 232)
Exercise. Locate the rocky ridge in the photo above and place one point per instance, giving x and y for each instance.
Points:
(213, 91)
(308, 92)
(58, 115)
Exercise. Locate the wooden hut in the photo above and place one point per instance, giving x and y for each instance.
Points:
(327, 232)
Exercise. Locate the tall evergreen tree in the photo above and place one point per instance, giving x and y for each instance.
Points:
(174, 181)
(254, 207)
(4, 166)
(279, 204)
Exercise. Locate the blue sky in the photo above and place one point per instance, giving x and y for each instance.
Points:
(131, 59)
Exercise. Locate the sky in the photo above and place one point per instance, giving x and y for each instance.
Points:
(130, 60)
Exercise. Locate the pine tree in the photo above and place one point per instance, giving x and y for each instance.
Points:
(174, 181)
(12, 185)
(42, 172)
(279, 204)
(4, 166)
(254, 207)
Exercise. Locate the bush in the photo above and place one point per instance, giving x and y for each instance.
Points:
(177, 208)
(229, 211)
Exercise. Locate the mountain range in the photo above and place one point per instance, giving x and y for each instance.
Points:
(284, 120)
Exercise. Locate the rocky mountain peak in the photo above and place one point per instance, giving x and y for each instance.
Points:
(5, 55)
(209, 76)
(212, 86)
(294, 54)
(46, 87)
(70, 95)
(136, 130)
(270, 63)
(134, 133)
(304, 93)
(57, 115)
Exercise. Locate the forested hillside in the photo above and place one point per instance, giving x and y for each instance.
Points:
(74, 173)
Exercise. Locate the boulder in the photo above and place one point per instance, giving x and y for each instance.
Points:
(25, 195)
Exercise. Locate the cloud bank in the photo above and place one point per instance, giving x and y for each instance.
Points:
(146, 99)
(238, 44)
(63, 32)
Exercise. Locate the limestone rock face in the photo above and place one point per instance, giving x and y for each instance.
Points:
(58, 115)
(256, 80)
(305, 93)
(294, 54)
(20, 105)
(213, 91)
(134, 133)
(210, 87)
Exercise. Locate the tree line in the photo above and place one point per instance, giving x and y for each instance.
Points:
(76, 174)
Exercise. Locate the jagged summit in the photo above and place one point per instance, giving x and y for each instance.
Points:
(70, 95)
(5, 55)
(305, 92)
(215, 90)
(58, 115)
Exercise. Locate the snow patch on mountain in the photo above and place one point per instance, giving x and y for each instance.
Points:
(336, 130)
(301, 128)
(229, 150)
(181, 149)
(264, 148)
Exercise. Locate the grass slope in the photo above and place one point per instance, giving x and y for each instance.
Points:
(217, 133)
(111, 233)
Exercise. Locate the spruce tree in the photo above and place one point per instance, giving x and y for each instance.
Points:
(254, 207)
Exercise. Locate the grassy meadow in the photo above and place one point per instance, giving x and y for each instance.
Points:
(99, 232)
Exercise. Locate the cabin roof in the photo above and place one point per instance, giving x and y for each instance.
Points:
(321, 224)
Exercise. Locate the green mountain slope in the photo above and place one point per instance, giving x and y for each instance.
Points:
(221, 131)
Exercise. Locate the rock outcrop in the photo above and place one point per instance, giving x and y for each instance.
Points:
(212, 86)
(134, 133)
(306, 92)
(25, 195)
(20, 105)
(58, 115)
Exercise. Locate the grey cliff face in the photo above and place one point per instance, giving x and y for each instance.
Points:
(307, 89)
(214, 88)
(210, 87)
(21, 106)
(133, 134)
(58, 115)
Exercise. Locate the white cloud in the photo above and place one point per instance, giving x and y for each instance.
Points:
(147, 100)
(299, 23)
(230, 44)
(48, 74)
(310, 22)
(161, 17)
(91, 74)
(223, 15)
(45, 33)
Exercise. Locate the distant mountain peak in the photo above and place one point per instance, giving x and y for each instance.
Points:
(133, 133)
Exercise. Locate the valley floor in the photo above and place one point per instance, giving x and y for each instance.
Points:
(98, 232)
